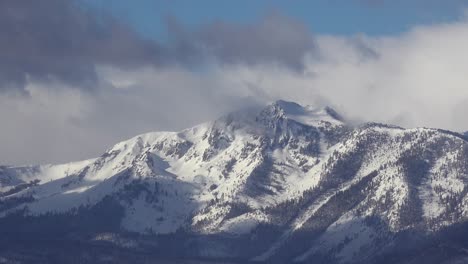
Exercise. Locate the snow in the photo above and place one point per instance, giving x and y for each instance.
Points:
(349, 231)
(198, 191)
(444, 179)
(308, 115)
(243, 224)
(49, 172)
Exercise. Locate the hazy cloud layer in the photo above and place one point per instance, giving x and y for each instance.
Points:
(54, 54)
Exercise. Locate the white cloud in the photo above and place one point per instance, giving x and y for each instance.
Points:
(418, 78)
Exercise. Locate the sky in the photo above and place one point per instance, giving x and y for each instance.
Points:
(343, 17)
(77, 76)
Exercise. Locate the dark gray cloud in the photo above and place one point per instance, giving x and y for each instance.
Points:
(61, 40)
(273, 39)
(56, 39)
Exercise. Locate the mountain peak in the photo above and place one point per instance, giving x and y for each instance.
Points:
(308, 115)
(280, 110)
(289, 107)
(260, 175)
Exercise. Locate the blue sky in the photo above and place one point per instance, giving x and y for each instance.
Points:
(371, 17)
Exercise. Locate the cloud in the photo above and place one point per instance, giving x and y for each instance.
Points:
(55, 40)
(273, 39)
(59, 123)
(58, 40)
(72, 82)
(416, 78)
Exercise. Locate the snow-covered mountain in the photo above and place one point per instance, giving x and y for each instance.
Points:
(283, 183)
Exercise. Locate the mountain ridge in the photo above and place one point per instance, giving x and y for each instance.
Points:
(275, 184)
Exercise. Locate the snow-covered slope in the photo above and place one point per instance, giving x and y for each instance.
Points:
(279, 183)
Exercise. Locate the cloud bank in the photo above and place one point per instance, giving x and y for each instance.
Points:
(72, 85)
